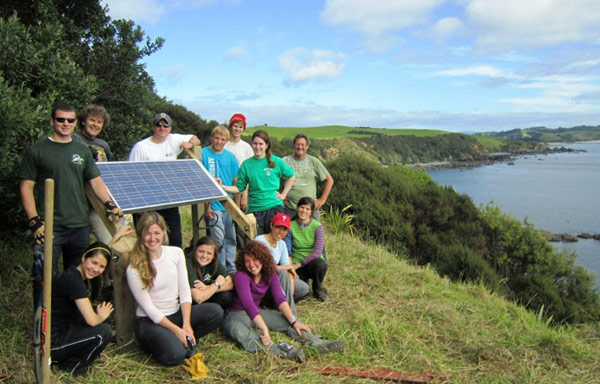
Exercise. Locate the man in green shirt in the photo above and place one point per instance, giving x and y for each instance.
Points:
(69, 163)
(309, 171)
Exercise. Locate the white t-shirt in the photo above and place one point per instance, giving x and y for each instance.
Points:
(146, 150)
(171, 286)
(279, 253)
(241, 150)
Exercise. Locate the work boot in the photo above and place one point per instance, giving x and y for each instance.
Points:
(288, 351)
(321, 295)
(315, 341)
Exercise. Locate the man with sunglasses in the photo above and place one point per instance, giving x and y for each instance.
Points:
(164, 145)
(69, 163)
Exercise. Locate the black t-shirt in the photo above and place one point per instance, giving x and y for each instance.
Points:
(69, 287)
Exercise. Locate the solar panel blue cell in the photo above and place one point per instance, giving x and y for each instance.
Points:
(147, 185)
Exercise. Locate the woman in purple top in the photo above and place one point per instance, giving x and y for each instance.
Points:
(256, 276)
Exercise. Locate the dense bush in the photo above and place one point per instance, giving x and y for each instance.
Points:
(435, 225)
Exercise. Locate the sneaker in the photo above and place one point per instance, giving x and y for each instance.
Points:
(291, 352)
(327, 346)
(321, 295)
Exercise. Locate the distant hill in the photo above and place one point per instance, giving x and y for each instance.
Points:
(546, 135)
(339, 131)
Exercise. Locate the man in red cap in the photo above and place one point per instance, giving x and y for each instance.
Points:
(241, 149)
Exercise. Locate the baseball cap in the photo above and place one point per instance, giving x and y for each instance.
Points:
(281, 220)
(237, 117)
(162, 116)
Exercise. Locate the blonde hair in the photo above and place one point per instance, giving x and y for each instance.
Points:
(139, 258)
(223, 130)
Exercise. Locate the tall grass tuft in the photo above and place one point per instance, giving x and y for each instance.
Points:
(338, 221)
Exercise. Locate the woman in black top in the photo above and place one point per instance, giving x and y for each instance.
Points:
(79, 333)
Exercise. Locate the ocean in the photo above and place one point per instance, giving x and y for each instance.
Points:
(555, 192)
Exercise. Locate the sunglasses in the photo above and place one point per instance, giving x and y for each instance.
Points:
(165, 125)
(62, 119)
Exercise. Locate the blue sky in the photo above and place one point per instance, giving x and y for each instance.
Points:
(456, 65)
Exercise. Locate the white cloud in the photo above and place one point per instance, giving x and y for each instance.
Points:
(447, 28)
(137, 10)
(173, 72)
(480, 70)
(377, 19)
(510, 24)
(238, 51)
(303, 65)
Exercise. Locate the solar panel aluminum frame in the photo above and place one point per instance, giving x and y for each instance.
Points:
(123, 179)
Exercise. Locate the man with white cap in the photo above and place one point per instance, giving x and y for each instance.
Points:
(164, 145)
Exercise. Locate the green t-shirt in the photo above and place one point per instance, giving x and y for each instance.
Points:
(264, 182)
(69, 164)
(308, 172)
(207, 274)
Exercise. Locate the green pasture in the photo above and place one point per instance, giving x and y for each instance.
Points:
(338, 131)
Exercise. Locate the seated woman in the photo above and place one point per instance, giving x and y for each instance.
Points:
(208, 278)
(79, 333)
(306, 244)
(294, 288)
(255, 277)
(166, 323)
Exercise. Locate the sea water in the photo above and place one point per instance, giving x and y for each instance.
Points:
(558, 193)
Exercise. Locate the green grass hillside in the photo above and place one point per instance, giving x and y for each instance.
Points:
(339, 131)
(391, 314)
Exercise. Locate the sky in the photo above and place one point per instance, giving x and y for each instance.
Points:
(455, 65)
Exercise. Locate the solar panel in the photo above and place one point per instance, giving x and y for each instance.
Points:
(138, 186)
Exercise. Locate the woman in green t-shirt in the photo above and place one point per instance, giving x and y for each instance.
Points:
(262, 174)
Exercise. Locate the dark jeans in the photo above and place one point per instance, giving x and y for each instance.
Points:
(173, 220)
(164, 345)
(71, 242)
(224, 299)
(78, 347)
(314, 270)
(263, 219)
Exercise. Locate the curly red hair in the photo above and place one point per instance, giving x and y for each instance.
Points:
(261, 253)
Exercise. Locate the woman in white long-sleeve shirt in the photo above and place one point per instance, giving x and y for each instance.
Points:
(157, 277)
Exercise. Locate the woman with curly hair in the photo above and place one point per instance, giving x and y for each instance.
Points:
(257, 276)
(166, 323)
(262, 174)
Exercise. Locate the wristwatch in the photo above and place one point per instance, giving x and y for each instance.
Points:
(218, 285)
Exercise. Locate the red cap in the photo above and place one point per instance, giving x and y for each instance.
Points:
(237, 117)
(281, 220)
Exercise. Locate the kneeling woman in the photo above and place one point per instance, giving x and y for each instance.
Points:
(79, 333)
(306, 244)
(257, 276)
(166, 322)
(208, 278)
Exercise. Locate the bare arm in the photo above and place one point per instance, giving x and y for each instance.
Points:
(296, 324)
(286, 188)
(265, 338)
(99, 189)
(326, 191)
(28, 198)
(91, 317)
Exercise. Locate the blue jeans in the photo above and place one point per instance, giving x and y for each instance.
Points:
(164, 345)
(223, 231)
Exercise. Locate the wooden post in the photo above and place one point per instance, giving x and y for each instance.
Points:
(197, 209)
(124, 302)
(47, 309)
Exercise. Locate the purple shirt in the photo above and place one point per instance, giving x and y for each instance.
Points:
(249, 294)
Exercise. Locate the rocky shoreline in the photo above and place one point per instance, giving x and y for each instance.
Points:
(568, 238)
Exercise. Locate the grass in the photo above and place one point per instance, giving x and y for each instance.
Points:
(339, 131)
(390, 314)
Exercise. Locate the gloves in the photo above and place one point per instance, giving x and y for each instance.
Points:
(113, 213)
(195, 366)
(37, 227)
